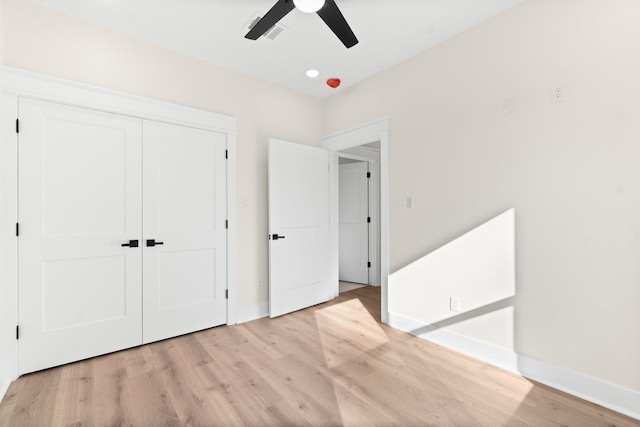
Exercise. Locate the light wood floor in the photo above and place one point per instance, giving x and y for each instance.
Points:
(333, 364)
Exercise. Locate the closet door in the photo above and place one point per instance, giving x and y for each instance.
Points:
(184, 205)
(80, 289)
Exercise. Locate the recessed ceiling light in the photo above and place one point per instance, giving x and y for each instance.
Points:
(312, 73)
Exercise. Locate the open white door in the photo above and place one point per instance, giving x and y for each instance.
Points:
(299, 258)
(354, 222)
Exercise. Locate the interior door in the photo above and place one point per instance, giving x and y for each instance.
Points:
(79, 192)
(299, 261)
(185, 236)
(354, 225)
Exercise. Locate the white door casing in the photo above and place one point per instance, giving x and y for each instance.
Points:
(377, 131)
(354, 225)
(299, 210)
(79, 201)
(185, 214)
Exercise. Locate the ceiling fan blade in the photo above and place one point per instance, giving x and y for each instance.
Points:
(332, 16)
(275, 14)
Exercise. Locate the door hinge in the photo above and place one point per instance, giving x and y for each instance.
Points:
(226, 224)
(369, 264)
(17, 332)
(17, 229)
(17, 125)
(226, 154)
(368, 174)
(368, 219)
(226, 293)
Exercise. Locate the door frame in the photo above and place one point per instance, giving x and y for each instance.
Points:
(364, 134)
(14, 84)
(374, 209)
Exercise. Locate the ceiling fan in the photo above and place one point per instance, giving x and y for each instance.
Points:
(326, 9)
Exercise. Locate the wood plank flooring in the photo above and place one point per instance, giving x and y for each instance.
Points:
(330, 365)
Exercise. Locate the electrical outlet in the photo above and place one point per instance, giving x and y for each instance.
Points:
(558, 94)
(454, 304)
(509, 106)
(409, 203)
(260, 284)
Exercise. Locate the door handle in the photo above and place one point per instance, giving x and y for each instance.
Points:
(152, 242)
(276, 237)
(131, 244)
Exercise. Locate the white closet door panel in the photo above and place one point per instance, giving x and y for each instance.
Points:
(79, 200)
(185, 209)
(354, 227)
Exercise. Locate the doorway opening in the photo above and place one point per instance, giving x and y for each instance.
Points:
(359, 216)
(374, 135)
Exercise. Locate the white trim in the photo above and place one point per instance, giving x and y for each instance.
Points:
(384, 225)
(374, 227)
(365, 134)
(363, 152)
(16, 83)
(8, 241)
(610, 396)
(350, 156)
(334, 221)
(354, 137)
(247, 314)
(47, 88)
(232, 231)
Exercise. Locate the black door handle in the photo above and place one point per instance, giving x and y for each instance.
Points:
(276, 237)
(152, 242)
(131, 244)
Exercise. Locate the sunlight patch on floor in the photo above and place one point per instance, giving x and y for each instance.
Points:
(346, 331)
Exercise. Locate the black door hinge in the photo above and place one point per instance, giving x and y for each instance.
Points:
(368, 174)
(17, 332)
(369, 264)
(226, 154)
(17, 125)
(17, 229)
(226, 224)
(226, 294)
(368, 219)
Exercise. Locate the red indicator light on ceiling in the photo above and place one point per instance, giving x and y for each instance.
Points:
(333, 83)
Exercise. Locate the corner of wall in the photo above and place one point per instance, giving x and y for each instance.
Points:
(599, 392)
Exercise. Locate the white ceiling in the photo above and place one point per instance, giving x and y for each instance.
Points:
(389, 31)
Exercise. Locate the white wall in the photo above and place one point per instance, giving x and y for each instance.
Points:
(1, 31)
(569, 170)
(39, 40)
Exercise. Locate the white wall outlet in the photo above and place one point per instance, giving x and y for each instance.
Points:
(454, 304)
(260, 284)
(509, 106)
(409, 202)
(558, 94)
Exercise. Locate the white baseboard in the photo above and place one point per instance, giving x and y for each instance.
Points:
(247, 314)
(616, 398)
